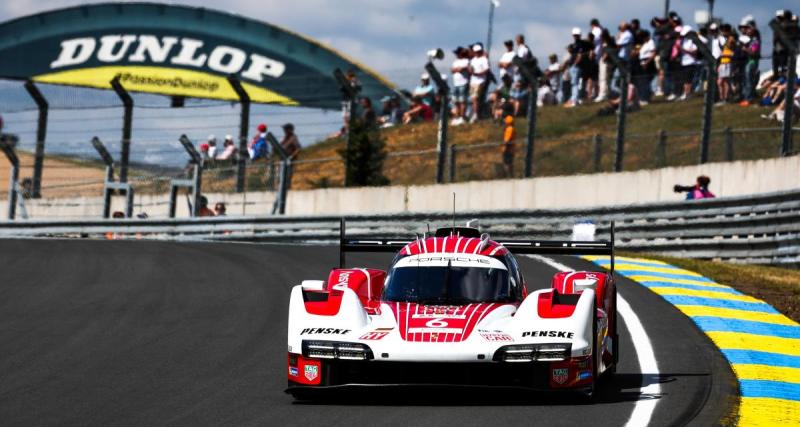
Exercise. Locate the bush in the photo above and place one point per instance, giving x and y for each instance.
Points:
(365, 157)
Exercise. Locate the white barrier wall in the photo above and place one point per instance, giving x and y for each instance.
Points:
(605, 189)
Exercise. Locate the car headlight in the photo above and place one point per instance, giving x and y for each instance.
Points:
(336, 350)
(533, 353)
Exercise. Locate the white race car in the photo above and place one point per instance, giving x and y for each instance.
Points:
(453, 309)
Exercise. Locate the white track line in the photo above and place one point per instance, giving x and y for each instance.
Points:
(643, 409)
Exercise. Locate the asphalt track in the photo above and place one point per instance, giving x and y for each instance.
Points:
(142, 333)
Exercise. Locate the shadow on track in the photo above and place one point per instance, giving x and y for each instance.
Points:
(622, 387)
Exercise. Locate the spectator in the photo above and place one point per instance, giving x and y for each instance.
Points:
(625, 41)
(685, 53)
(506, 62)
(725, 70)
(460, 70)
(203, 210)
(425, 90)
(204, 153)
(546, 96)
(664, 34)
(605, 66)
(391, 113)
(634, 26)
(509, 134)
(780, 52)
(597, 31)
(479, 73)
(368, 116)
(592, 69)
(352, 79)
(647, 66)
(212, 147)
(553, 73)
(752, 55)
(697, 191)
(258, 148)
(523, 51)
(290, 143)
(219, 209)
(228, 149)
(578, 62)
(500, 99)
(419, 112)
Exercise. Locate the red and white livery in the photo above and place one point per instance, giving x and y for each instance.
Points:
(453, 308)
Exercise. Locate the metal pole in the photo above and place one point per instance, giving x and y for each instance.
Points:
(728, 133)
(530, 70)
(711, 66)
(197, 192)
(531, 133)
(350, 94)
(127, 124)
(786, 147)
(11, 155)
(41, 134)
(279, 206)
(197, 177)
(710, 10)
(452, 168)
(12, 191)
(661, 149)
(666, 8)
(598, 152)
(441, 146)
(623, 111)
(109, 161)
(489, 32)
(244, 124)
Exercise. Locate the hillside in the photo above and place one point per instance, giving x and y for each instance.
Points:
(564, 146)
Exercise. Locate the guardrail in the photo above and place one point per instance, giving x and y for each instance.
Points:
(762, 229)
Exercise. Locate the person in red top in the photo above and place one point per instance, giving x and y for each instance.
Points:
(509, 134)
(419, 111)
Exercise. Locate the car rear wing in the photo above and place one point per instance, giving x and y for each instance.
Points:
(533, 247)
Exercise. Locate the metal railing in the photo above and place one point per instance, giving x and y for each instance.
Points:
(762, 229)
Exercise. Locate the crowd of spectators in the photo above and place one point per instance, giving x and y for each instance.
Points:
(662, 61)
(228, 154)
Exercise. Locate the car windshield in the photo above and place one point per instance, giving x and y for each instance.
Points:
(454, 281)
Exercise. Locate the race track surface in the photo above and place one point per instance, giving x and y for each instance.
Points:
(99, 332)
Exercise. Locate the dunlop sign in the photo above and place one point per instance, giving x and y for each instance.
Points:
(175, 50)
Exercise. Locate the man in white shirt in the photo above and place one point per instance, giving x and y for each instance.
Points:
(479, 71)
(460, 70)
(688, 62)
(506, 64)
(522, 49)
(597, 31)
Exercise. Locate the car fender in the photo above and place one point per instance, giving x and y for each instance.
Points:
(351, 316)
(579, 322)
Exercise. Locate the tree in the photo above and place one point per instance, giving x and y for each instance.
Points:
(365, 157)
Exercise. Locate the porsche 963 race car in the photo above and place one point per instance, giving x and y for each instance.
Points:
(453, 309)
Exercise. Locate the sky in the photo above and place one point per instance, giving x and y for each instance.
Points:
(392, 37)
